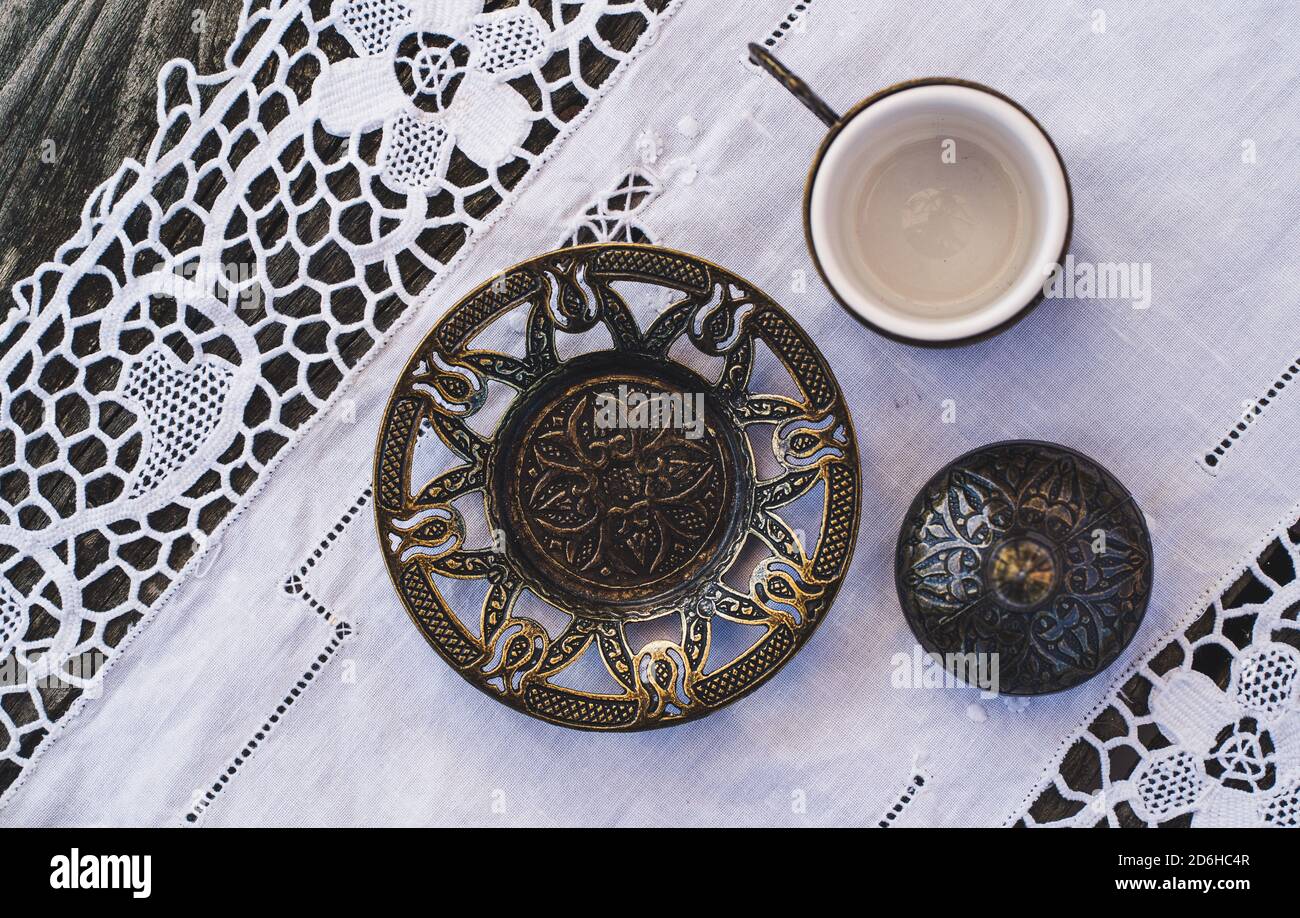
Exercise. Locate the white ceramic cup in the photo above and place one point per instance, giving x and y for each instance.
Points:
(934, 209)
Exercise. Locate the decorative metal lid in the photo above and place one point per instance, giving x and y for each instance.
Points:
(1024, 566)
(618, 486)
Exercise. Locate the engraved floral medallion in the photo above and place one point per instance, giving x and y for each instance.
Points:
(614, 503)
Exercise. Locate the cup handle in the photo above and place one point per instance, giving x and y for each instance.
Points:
(801, 90)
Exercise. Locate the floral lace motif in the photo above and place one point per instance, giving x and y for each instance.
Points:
(218, 295)
(1207, 731)
(432, 75)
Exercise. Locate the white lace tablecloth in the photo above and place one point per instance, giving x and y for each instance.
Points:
(208, 534)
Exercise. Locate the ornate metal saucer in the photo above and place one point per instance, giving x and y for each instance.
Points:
(1030, 551)
(619, 486)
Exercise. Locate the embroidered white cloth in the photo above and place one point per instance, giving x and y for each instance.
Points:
(272, 676)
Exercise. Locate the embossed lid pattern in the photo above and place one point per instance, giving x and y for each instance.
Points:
(1024, 566)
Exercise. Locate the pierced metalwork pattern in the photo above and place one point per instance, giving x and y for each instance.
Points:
(606, 514)
(1029, 551)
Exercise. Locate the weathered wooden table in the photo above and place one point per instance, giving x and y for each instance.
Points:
(77, 96)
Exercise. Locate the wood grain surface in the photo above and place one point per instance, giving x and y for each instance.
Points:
(78, 86)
